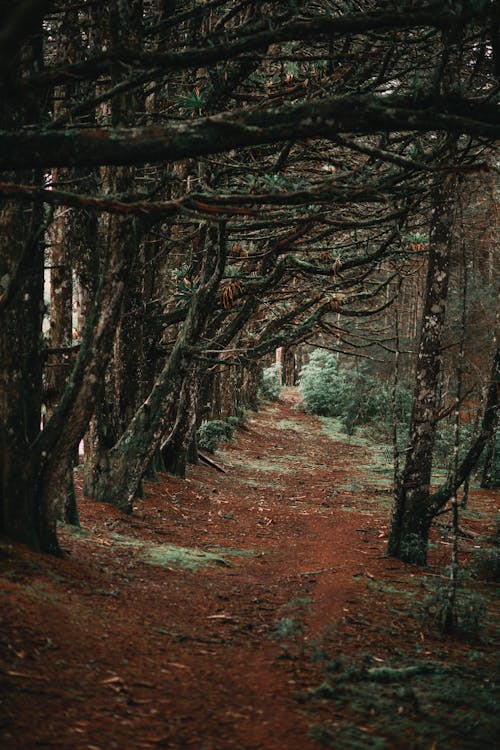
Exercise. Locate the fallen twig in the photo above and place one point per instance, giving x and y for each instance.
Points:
(211, 463)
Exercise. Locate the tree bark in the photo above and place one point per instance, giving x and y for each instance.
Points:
(129, 458)
(411, 520)
(490, 478)
(360, 114)
(21, 310)
(176, 449)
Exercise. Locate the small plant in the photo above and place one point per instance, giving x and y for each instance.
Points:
(468, 613)
(213, 432)
(287, 627)
(270, 384)
(485, 564)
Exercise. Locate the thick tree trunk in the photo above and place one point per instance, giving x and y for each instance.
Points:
(21, 380)
(175, 450)
(120, 395)
(65, 238)
(21, 308)
(490, 478)
(411, 520)
(59, 440)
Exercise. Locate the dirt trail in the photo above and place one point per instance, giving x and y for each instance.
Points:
(110, 647)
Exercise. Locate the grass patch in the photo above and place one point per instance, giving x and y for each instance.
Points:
(416, 704)
(289, 424)
(174, 556)
(230, 551)
(346, 737)
(188, 558)
(300, 601)
(269, 464)
(261, 484)
(286, 627)
(334, 429)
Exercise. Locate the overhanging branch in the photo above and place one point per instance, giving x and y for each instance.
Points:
(363, 114)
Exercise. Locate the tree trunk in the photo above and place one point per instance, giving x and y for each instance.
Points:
(129, 458)
(175, 450)
(490, 478)
(411, 520)
(21, 308)
(65, 240)
(120, 395)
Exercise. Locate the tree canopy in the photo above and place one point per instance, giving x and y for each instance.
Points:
(211, 181)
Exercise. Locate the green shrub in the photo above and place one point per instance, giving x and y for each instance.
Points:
(445, 440)
(322, 388)
(469, 608)
(485, 564)
(213, 432)
(270, 384)
(368, 400)
(353, 394)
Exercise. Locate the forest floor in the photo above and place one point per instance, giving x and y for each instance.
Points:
(251, 609)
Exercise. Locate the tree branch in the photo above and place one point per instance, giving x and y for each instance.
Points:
(363, 114)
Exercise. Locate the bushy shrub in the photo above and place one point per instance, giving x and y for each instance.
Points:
(270, 384)
(368, 400)
(213, 432)
(352, 394)
(468, 612)
(485, 564)
(322, 388)
(445, 440)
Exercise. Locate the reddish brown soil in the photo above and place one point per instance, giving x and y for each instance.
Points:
(103, 650)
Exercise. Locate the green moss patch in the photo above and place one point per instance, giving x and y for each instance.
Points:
(420, 704)
(289, 424)
(174, 556)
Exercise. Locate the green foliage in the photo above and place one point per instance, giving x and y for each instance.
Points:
(367, 400)
(445, 439)
(469, 609)
(354, 395)
(193, 101)
(321, 385)
(213, 432)
(485, 564)
(357, 398)
(428, 704)
(287, 627)
(270, 384)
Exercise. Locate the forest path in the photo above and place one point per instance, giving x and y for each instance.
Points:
(131, 643)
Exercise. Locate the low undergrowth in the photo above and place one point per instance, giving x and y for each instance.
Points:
(172, 555)
(423, 705)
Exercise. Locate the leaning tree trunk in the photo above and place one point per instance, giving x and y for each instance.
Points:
(410, 523)
(490, 477)
(66, 242)
(121, 25)
(127, 461)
